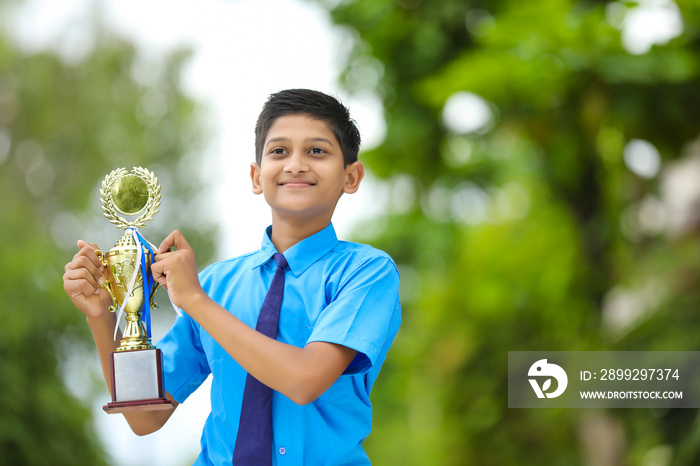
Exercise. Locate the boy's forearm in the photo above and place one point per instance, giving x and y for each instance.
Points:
(301, 374)
(102, 328)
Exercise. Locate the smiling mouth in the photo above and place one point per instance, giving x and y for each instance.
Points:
(297, 184)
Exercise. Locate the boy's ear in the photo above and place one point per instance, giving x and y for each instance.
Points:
(353, 176)
(255, 178)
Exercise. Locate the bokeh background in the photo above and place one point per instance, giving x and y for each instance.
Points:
(534, 171)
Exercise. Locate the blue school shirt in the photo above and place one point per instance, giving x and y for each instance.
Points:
(335, 291)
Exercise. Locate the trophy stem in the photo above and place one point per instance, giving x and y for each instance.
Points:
(135, 336)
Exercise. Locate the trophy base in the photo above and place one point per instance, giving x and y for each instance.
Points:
(137, 382)
(156, 404)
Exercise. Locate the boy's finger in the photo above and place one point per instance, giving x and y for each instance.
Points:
(175, 239)
(165, 245)
(80, 281)
(88, 250)
(83, 262)
(82, 244)
(161, 256)
(158, 269)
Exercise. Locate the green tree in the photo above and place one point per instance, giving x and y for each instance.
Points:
(523, 232)
(63, 127)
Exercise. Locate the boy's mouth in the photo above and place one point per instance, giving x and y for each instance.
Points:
(294, 184)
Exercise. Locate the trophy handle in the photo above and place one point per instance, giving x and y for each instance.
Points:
(107, 285)
(157, 286)
(154, 305)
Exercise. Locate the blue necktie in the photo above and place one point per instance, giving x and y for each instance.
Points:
(254, 440)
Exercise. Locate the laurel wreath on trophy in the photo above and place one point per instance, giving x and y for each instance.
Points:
(117, 177)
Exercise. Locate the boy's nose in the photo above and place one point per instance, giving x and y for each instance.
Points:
(296, 163)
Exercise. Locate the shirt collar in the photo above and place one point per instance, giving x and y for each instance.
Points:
(303, 254)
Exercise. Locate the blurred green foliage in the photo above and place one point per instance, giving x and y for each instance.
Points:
(63, 127)
(530, 232)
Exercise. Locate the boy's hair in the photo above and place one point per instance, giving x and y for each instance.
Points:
(317, 105)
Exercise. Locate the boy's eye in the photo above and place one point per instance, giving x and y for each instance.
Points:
(277, 151)
(317, 150)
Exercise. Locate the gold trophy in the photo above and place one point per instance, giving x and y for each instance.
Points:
(137, 374)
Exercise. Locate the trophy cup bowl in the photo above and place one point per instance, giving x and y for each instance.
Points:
(136, 365)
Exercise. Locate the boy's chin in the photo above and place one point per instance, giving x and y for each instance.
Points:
(299, 213)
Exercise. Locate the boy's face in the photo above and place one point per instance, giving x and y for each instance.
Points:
(302, 173)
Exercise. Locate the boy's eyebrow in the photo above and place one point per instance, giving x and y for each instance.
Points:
(320, 139)
(284, 139)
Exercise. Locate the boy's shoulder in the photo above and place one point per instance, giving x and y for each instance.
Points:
(360, 255)
(361, 250)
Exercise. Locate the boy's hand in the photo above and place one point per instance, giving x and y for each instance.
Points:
(82, 279)
(176, 270)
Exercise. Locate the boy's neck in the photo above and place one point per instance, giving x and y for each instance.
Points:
(286, 233)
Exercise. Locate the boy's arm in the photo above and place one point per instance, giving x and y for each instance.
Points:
(301, 374)
(81, 282)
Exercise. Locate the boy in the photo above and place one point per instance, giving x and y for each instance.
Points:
(339, 313)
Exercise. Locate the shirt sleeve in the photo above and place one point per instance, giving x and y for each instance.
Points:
(185, 365)
(364, 314)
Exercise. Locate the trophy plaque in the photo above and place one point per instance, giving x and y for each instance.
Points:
(137, 374)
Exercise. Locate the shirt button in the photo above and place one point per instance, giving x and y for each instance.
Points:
(282, 450)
